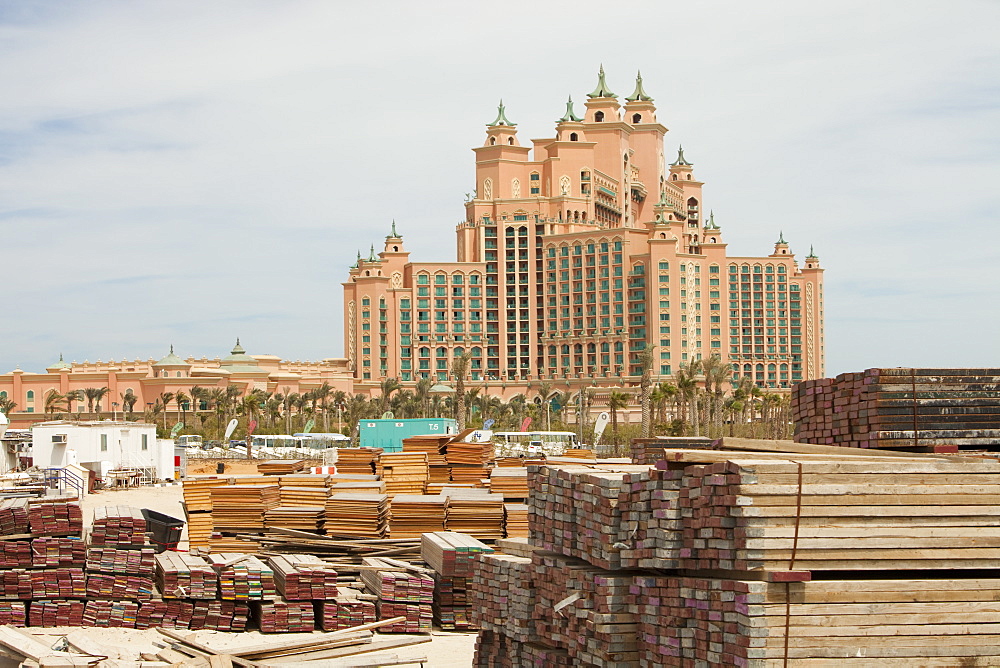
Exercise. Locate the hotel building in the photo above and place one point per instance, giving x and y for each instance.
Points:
(576, 254)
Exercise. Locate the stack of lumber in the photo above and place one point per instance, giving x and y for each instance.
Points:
(403, 472)
(58, 552)
(118, 526)
(357, 460)
(56, 613)
(120, 586)
(433, 446)
(475, 512)
(858, 622)
(14, 517)
(511, 482)
(55, 519)
(495, 650)
(15, 583)
(303, 577)
(436, 488)
(450, 553)
(305, 480)
(220, 542)
(112, 560)
(651, 450)
(400, 594)
(579, 453)
(469, 462)
(111, 614)
(515, 520)
(242, 577)
(171, 614)
(12, 613)
(345, 611)
(198, 493)
(502, 596)
(242, 507)
(452, 603)
(845, 514)
(58, 583)
(302, 518)
(283, 616)
(280, 466)
(181, 575)
(360, 486)
(303, 496)
(900, 408)
(15, 554)
(585, 609)
(219, 616)
(415, 514)
(357, 515)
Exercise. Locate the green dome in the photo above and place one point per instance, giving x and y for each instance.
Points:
(171, 360)
(238, 361)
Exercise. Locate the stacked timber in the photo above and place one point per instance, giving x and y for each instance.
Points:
(403, 472)
(345, 611)
(451, 608)
(415, 514)
(219, 616)
(113, 560)
(515, 520)
(111, 614)
(305, 480)
(118, 526)
(15, 554)
(357, 460)
(58, 583)
(901, 408)
(282, 616)
(180, 575)
(434, 447)
(475, 512)
(242, 577)
(57, 552)
(450, 553)
(56, 613)
(303, 496)
(357, 515)
(280, 466)
(651, 450)
(301, 518)
(469, 462)
(509, 481)
(14, 517)
(12, 613)
(495, 650)
(120, 586)
(303, 577)
(242, 507)
(400, 594)
(55, 519)
(198, 493)
(164, 613)
(502, 596)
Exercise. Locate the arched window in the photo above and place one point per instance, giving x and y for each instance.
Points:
(637, 118)
(493, 141)
(689, 177)
(425, 352)
(599, 117)
(574, 137)
(30, 395)
(477, 352)
(442, 352)
(458, 352)
(673, 177)
(395, 249)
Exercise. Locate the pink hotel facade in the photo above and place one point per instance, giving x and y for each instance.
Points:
(575, 254)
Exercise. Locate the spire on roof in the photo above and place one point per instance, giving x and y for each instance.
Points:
(680, 158)
(812, 254)
(781, 238)
(569, 115)
(501, 118)
(371, 255)
(639, 95)
(711, 221)
(602, 89)
(393, 234)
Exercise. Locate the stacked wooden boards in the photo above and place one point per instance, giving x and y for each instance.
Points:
(303, 577)
(757, 545)
(357, 515)
(280, 466)
(403, 472)
(901, 408)
(415, 514)
(357, 460)
(452, 556)
(650, 450)
(475, 512)
(408, 594)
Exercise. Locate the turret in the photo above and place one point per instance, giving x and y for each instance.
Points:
(602, 105)
(570, 127)
(501, 132)
(812, 260)
(781, 247)
(639, 107)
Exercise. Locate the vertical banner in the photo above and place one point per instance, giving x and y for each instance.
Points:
(251, 428)
(230, 428)
(489, 423)
(176, 430)
(525, 424)
(600, 425)
(309, 426)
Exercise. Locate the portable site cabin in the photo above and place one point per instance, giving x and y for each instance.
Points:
(388, 434)
(103, 447)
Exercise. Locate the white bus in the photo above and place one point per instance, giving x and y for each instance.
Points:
(300, 441)
(533, 443)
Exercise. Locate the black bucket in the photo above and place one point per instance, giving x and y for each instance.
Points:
(164, 530)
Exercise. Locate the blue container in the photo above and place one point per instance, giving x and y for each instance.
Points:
(389, 434)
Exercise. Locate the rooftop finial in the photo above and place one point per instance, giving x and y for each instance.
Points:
(812, 254)
(501, 118)
(393, 234)
(602, 89)
(569, 116)
(680, 158)
(781, 238)
(711, 221)
(639, 95)
(171, 349)
(371, 255)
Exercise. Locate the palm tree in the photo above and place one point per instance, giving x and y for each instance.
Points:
(687, 387)
(386, 387)
(322, 393)
(357, 408)
(198, 395)
(128, 402)
(459, 369)
(645, 382)
(716, 373)
(166, 398)
(70, 397)
(7, 405)
(54, 402)
(339, 401)
(182, 400)
(422, 391)
(99, 395)
(91, 394)
(616, 401)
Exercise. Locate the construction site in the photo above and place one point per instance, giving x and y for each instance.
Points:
(870, 539)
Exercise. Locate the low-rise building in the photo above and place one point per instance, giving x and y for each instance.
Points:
(103, 447)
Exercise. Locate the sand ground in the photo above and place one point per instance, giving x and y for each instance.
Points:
(446, 649)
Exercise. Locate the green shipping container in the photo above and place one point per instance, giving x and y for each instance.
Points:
(389, 434)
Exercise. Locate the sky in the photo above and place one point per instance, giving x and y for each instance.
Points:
(186, 173)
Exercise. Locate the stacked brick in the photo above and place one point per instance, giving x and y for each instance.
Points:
(900, 408)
